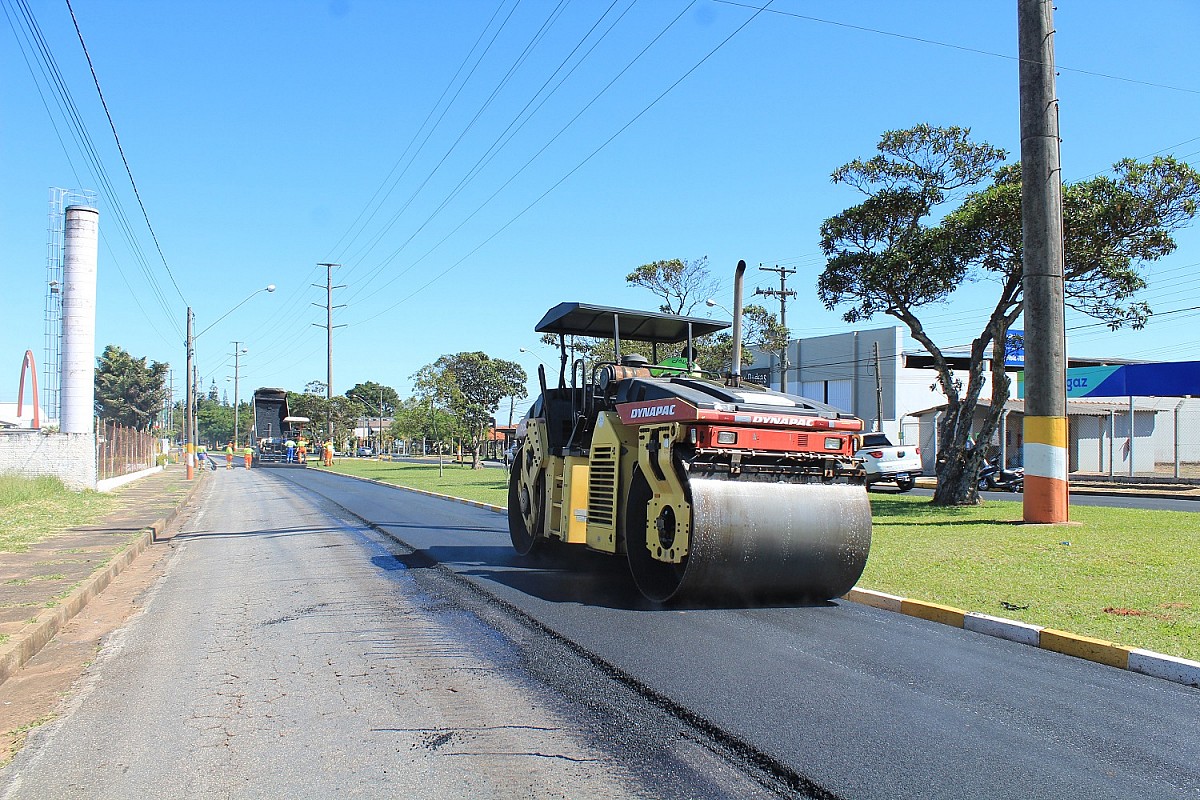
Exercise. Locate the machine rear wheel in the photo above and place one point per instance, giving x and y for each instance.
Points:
(526, 521)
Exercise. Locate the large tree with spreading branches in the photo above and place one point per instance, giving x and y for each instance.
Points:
(890, 255)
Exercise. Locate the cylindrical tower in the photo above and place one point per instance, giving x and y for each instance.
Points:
(78, 379)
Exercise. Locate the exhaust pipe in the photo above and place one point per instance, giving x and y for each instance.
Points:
(735, 377)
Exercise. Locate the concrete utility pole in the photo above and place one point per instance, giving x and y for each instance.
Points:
(782, 293)
(237, 353)
(1045, 499)
(189, 441)
(878, 391)
(329, 326)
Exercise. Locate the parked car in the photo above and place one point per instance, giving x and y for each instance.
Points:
(885, 462)
(364, 452)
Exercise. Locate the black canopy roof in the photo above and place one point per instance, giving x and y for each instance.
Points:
(584, 319)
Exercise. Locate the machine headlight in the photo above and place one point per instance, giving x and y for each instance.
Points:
(726, 437)
(833, 443)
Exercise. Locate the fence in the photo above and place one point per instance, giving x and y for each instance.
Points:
(1159, 437)
(121, 450)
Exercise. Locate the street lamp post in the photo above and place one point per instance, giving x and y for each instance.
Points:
(192, 423)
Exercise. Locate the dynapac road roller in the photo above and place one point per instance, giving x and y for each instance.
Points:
(711, 487)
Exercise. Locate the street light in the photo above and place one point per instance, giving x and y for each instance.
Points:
(191, 433)
(714, 304)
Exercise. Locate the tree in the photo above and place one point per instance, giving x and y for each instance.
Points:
(681, 284)
(884, 258)
(372, 394)
(469, 386)
(128, 391)
(341, 411)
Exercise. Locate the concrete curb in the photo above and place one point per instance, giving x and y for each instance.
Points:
(24, 646)
(1147, 662)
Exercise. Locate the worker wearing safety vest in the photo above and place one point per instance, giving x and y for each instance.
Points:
(248, 452)
(229, 455)
(291, 450)
(329, 453)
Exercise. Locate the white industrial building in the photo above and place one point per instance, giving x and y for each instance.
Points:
(872, 375)
(841, 369)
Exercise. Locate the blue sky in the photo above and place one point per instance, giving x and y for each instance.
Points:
(464, 198)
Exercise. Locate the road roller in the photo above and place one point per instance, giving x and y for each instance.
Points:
(711, 487)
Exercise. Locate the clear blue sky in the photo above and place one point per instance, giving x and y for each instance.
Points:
(266, 137)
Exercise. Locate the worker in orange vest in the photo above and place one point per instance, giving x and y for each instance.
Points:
(329, 453)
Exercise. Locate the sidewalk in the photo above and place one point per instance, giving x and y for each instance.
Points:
(43, 588)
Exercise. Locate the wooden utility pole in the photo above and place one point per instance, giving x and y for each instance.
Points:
(1045, 450)
(329, 326)
(782, 293)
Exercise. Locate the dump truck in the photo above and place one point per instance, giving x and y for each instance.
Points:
(709, 486)
(274, 427)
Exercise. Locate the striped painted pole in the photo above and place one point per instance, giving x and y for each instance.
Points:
(1045, 456)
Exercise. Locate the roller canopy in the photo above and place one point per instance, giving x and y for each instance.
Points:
(584, 319)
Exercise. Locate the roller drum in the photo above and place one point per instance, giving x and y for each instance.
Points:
(766, 541)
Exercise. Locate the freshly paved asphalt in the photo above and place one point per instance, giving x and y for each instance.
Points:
(858, 702)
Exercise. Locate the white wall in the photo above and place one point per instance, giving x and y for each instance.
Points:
(71, 457)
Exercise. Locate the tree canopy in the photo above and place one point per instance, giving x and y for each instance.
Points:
(128, 391)
(886, 255)
(681, 284)
(469, 386)
(371, 394)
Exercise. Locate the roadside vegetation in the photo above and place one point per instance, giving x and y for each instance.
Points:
(1123, 575)
(33, 508)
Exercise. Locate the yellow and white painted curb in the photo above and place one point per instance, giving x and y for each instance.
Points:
(1147, 662)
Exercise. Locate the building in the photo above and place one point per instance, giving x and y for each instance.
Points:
(893, 388)
(867, 373)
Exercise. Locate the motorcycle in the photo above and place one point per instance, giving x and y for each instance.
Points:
(995, 477)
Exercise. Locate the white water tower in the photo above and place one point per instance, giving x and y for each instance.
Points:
(78, 376)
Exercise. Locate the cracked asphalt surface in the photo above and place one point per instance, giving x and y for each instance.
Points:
(287, 652)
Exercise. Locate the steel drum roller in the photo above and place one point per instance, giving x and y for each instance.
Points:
(756, 540)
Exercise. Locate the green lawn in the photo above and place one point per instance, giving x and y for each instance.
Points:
(33, 508)
(1122, 575)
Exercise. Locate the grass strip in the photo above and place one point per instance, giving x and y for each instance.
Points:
(1122, 575)
(32, 509)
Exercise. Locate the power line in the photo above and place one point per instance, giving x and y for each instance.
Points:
(121, 150)
(951, 46)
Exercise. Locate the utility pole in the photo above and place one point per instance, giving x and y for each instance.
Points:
(237, 352)
(1045, 449)
(189, 441)
(782, 293)
(878, 391)
(329, 326)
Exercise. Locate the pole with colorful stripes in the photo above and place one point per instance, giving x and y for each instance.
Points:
(1042, 253)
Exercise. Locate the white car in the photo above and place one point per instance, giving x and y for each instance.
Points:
(884, 462)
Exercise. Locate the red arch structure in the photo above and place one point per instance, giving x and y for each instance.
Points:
(27, 364)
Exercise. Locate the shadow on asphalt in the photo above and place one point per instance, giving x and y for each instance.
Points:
(562, 575)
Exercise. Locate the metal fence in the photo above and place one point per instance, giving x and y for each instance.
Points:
(120, 450)
(1152, 437)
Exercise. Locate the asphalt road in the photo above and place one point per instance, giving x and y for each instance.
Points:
(850, 700)
(288, 652)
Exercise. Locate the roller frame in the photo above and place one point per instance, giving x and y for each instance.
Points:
(532, 462)
(656, 457)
